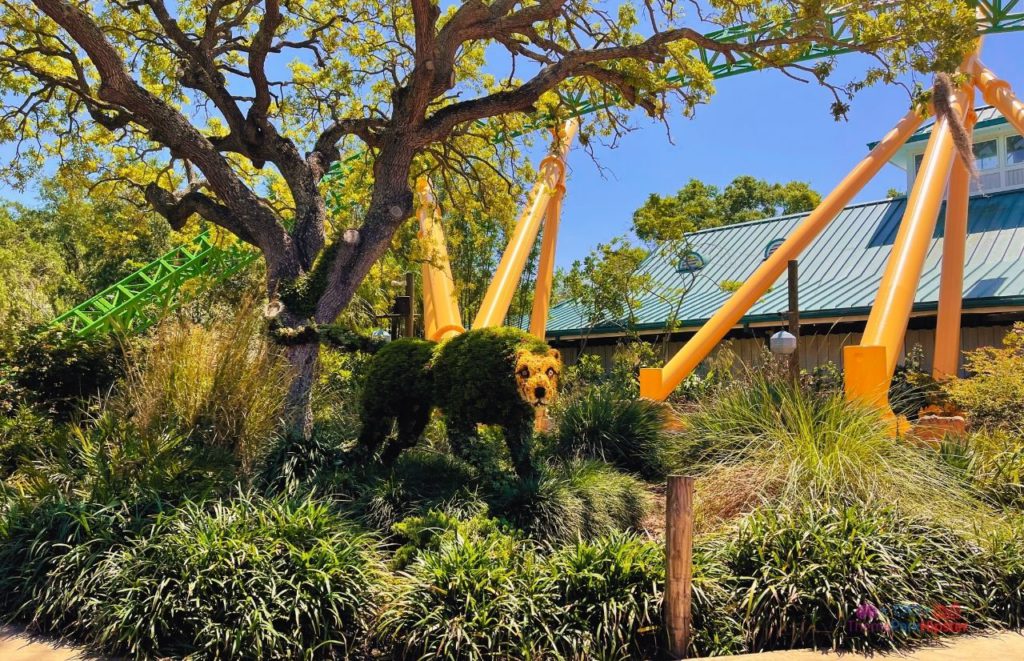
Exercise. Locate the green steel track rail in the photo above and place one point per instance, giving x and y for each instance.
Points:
(139, 300)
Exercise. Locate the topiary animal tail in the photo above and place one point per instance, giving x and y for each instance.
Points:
(942, 96)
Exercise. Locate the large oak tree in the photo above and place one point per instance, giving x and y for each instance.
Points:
(236, 110)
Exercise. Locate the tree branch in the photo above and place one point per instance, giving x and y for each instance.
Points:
(178, 208)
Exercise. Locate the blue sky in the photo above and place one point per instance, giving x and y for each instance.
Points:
(763, 124)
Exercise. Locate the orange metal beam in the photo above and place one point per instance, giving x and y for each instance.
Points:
(998, 93)
(441, 310)
(887, 323)
(658, 383)
(951, 288)
(546, 267)
(503, 287)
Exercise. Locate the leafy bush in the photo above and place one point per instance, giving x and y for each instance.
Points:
(336, 396)
(224, 385)
(607, 598)
(39, 544)
(19, 434)
(429, 531)
(800, 575)
(109, 460)
(249, 577)
(992, 394)
(55, 370)
(768, 442)
(912, 387)
(473, 598)
(628, 433)
(578, 499)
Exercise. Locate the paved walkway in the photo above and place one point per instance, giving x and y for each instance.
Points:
(1004, 646)
(15, 646)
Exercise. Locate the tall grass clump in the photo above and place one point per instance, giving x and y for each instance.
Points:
(579, 499)
(601, 423)
(769, 442)
(800, 576)
(249, 577)
(224, 384)
(473, 598)
(35, 538)
(992, 461)
(108, 460)
(607, 598)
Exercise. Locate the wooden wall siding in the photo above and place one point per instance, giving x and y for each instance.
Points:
(819, 349)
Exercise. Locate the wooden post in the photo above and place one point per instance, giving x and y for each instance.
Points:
(794, 319)
(410, 315)
(679, 559)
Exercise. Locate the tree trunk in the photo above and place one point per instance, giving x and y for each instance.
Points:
(298, 411)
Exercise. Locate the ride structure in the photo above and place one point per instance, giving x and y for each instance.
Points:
(869, 366)
(135, 302)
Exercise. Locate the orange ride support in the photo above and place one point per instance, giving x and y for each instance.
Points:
(546, 267)
(658, 383)
(887, 323)
(998, 93)
(441, 311)
(503, 287)
(951, 287)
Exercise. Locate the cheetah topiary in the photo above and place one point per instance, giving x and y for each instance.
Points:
(491, 376)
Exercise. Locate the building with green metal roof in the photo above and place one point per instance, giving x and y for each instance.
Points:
(840, 271)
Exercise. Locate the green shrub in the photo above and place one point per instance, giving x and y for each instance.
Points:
(607, 598)
(992, 394)
(55, 370)
(578, 499)
(913, 387)
(40, 542)
(428, 531)
(108, 460)
(1004, 551)
(420, 480)
(20, 433)
(587, 371)
(628, 433)
(224, 385)
(766, 442)
(336, 396)
(473, 598)
(249, 577)
(800, 575)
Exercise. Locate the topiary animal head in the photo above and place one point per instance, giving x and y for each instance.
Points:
(537, 376)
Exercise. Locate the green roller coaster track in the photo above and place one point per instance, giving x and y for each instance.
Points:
(139, 300)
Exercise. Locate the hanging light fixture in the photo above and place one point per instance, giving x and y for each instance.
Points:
(782, 343)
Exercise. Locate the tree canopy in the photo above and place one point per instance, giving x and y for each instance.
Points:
(699, 205)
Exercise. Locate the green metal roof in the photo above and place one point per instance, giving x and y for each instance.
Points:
(987, 116)
(839, 272)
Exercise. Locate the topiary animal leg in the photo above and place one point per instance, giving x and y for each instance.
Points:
(372, 436)
(519, 439)
(410, 428)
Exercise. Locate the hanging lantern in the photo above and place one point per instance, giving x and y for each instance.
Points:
(783, 343)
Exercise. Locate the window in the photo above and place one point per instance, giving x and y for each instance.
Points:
(1015, 150)
(772, 246)
(917, 163)
(690, 262)
(986, 155)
